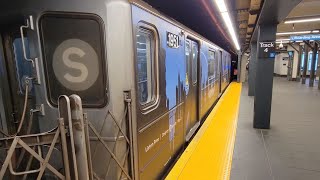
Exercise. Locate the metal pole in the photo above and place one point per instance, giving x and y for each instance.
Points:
(8, 158)
(79, 137)
(305, 64)
(318, 69)
(128, 102)
(87, 138)
(313, 64)
(252, 69)
(289, 68)
(299, 63)
(65, 113)
(64, 148)
(239, 66)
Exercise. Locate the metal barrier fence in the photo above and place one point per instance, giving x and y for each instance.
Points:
(72, 138)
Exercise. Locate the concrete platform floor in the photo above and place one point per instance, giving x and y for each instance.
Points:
(290, 150)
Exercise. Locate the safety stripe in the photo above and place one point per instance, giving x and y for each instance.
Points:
(209, 154)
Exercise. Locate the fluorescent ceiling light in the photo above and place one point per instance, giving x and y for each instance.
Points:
(221, 6)
(283, 42)
(302, 20)
(296, 32)
(227, 20)
(299, 41)
(315, 31)
(282, 39)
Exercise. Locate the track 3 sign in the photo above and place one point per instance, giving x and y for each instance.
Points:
(266, 49)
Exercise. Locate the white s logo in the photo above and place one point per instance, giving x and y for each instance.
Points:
(75, 64)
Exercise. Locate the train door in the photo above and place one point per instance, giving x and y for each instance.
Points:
(5, 95)
(16, 88)
(191, 111)
(15, 74)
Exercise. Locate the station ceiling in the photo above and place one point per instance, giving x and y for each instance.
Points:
(203, 17)
(247, 13)
(304, 8)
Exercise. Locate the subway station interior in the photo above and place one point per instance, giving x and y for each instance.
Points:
(160, 89)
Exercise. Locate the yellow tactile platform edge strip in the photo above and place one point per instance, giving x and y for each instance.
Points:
(209, 154)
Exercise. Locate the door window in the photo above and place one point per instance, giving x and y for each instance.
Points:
(74, 57)
(194, 62)
(192, 53)
(188, 54)
(211, 65)
(146, 66)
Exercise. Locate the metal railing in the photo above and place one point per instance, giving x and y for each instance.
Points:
(125, 164)
(72, 138)
(63, 135)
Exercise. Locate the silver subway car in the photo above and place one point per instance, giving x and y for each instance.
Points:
(146, 84)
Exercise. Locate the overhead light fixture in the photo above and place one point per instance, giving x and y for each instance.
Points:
(282, 42)
(221, 6)
(227, 20)
(294, 32)
(282, 39)
(297, 32)
(303, 19)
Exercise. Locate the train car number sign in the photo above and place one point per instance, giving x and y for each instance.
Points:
(173, 40)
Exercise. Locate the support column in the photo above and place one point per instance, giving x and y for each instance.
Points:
(299, 63)
(239, 66)
(305, 64)
(264, 80)
(244, 74)
(252, 69)
(318, 69)
(313, 64)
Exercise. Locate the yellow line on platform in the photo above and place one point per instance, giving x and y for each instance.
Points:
(209, 154)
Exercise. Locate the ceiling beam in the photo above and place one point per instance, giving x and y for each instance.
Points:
(254, 11)
(308, 44)
(290, 44)
(273, 12)
(251, 25)
(242, 10)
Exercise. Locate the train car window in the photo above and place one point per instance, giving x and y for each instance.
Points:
(23, 67)
(226, 64)
(188, 53)
(211, 63)
(223, 64)
(74, 57)
(194, 61)
(145, 40)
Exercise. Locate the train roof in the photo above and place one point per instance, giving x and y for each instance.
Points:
(155, 12)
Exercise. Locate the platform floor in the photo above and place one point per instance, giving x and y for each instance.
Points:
(290, 150)
(209, 154)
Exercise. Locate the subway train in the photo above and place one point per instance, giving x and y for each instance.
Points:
(146, 83)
